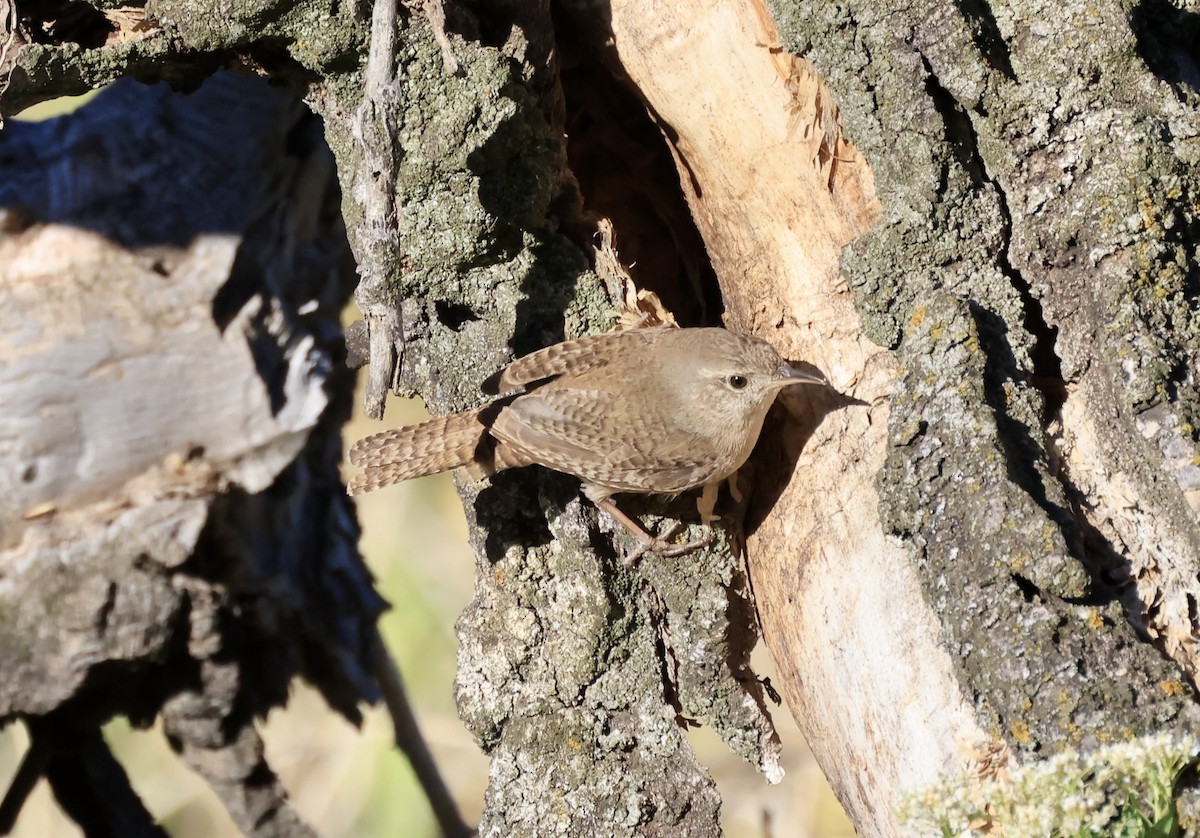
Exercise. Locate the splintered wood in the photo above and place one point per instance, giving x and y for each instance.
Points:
(636, 308)
(813, 108)
(814, 111)
(773, 185)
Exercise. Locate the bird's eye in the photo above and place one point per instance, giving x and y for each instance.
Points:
(737, 382)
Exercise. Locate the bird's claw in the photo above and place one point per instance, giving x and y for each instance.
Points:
(663, 546)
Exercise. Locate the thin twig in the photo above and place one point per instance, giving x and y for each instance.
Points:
(410, 741)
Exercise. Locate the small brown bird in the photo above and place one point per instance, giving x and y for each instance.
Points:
(654, 410)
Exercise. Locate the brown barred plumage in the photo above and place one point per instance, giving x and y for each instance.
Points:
(647, 410)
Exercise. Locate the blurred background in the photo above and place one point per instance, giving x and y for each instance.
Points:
(352, 782)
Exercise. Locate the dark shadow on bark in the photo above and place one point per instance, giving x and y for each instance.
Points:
(986, 35)
(135, 209)
(1109, 572)
(67, 748)
(1022, 448)
(793, 420)
(1168, 40)
(963, 141)
(94, 790)
(64, 22)
(510, 507)
(742, 636)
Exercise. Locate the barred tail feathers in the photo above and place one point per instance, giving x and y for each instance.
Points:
(440, 444)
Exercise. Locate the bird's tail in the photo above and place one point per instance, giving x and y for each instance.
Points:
(402, 453)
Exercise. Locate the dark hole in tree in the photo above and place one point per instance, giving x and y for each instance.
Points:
(454, 315)
(626, 173)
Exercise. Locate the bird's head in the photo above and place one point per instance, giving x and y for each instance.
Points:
(727, 379)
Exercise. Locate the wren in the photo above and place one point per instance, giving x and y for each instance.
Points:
(651, 410)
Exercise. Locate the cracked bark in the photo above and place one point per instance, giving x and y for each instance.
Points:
(1035, 273)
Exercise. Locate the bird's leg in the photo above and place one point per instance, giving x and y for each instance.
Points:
(658, 544)
(735, 529)
(707, 502)
(633, 526)
(735, 490)
(662, 545)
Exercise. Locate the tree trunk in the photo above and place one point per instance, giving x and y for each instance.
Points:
(1035, 273)
(980, 222)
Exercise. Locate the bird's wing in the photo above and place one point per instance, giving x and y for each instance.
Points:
(568, 429)
(570, 357)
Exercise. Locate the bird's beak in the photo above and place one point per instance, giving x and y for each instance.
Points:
(791, 375)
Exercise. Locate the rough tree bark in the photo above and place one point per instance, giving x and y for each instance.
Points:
(989, 557)
(1035, 272)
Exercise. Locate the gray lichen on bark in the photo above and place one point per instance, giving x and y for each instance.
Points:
(477, 267)
(573, 671)
(1033, 272)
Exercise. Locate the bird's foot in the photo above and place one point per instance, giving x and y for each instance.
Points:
(663, 546)
(659, 544)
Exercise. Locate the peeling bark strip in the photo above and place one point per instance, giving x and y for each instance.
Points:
(375, 191)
